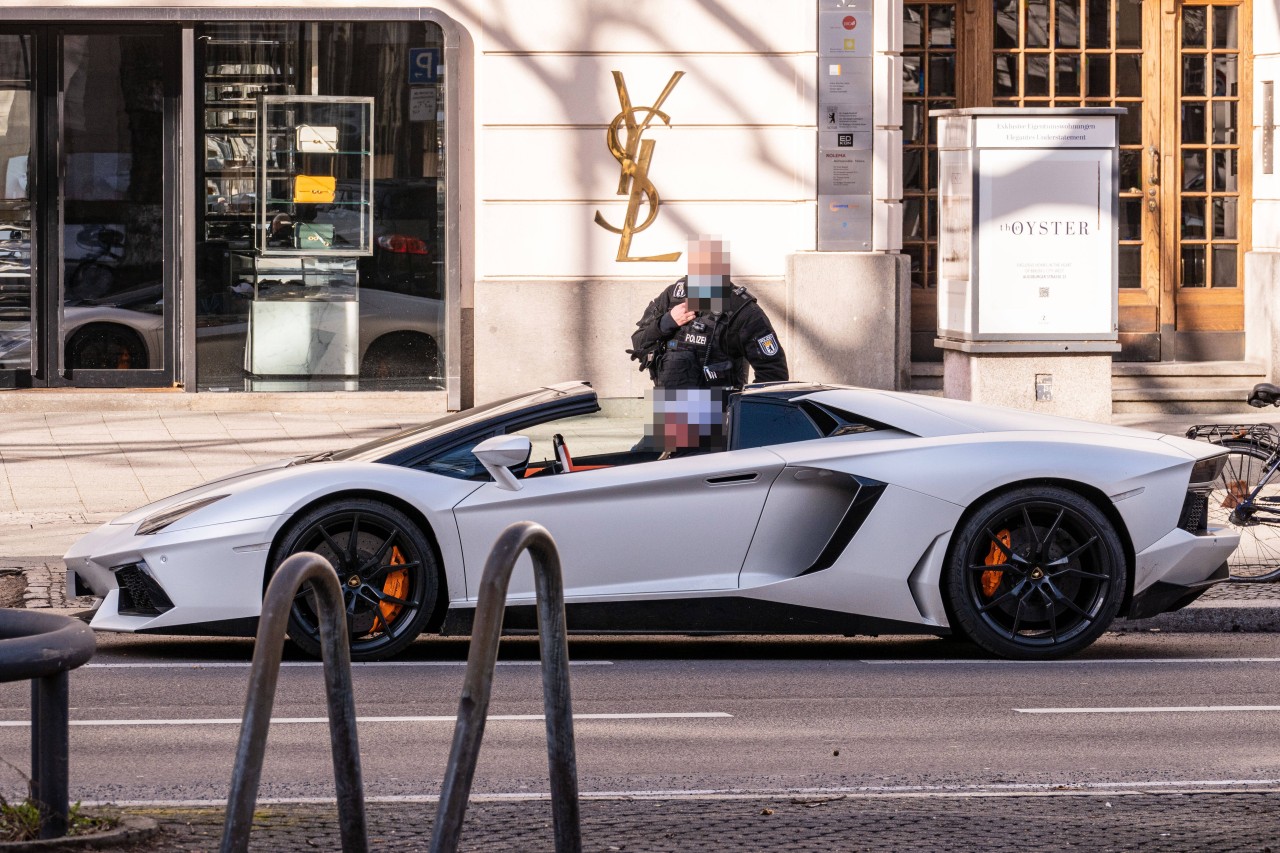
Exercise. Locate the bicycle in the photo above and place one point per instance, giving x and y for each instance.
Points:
(1246, 495)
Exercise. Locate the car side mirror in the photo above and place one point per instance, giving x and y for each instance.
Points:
(499, 454)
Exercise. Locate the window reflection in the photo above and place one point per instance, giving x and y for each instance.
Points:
(1193, 26)
(1225, 273)
(1193, 170)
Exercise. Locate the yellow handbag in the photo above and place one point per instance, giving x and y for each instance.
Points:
(313, 189)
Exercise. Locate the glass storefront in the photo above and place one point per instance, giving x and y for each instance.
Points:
(317, 242)
(350, 310)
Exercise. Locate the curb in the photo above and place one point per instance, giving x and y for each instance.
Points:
(1226, 617)
(131, 830)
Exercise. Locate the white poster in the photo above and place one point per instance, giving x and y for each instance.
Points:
(1045, 242)
(423, 103)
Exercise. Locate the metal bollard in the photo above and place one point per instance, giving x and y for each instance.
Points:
(300, 568)
(474, 705)
(43, 647)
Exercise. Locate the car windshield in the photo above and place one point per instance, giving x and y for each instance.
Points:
(381, 448)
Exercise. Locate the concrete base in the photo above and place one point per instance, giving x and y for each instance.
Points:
(842, 317)
(1081, 384)
(849, 318)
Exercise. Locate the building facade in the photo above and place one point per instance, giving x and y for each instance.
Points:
(464, 199)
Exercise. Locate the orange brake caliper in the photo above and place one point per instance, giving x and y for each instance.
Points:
(995, 557)
(396, 583)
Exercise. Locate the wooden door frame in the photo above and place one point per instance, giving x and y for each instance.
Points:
(1201, 344)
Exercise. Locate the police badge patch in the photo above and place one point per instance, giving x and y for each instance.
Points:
(768, 344)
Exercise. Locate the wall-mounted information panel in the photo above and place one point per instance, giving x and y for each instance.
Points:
(845, 125)
(1027, 206)
(315, 176)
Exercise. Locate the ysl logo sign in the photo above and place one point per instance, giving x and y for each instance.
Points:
(634, 157)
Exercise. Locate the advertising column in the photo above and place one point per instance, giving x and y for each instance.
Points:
(1027, 298)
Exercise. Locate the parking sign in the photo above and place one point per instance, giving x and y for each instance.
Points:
(422, 64)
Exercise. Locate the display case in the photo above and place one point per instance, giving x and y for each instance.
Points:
(315, 176)
(238, 70)
(304, 321)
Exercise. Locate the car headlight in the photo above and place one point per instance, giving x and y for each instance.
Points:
(1206, 471)
(158, 521)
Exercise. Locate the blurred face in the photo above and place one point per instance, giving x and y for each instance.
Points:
(686, 417)
(708, 274)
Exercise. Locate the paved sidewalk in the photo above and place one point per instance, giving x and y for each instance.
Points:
(1098, 823)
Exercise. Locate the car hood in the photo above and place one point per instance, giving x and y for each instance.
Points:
(231, 482)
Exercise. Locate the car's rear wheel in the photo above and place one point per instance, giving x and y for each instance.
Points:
(387, 569)
(1036, 573)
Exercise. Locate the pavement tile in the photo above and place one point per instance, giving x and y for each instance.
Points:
(1108, 823)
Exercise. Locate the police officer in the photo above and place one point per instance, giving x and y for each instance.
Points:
(703, 331)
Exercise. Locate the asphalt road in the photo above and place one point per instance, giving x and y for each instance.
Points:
(156, 719)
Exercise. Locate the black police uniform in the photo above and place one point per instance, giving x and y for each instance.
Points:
(713, 349)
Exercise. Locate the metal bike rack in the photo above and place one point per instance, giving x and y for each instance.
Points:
(335, 650)
(474, 705)
(43, 648)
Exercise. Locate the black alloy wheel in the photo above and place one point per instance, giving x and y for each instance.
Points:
(1035, 574)
(387, 569)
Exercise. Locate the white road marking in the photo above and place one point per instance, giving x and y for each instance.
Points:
(1011, 789)
(1068, 662)
(1166, 709)
(316, 663)
(450, 718)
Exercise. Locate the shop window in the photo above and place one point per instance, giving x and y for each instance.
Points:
(398, 342)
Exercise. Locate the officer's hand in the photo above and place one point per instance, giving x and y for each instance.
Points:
(681, 313)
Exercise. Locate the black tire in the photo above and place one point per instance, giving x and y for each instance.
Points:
(106, 346)
(1258, 556)
(1036, 573)
(390, 578)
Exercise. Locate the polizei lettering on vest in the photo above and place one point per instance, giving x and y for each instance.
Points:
(1047, 228)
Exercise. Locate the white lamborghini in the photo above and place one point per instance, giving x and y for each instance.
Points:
(832, 510)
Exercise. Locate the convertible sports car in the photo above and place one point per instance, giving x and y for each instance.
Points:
(832, 510)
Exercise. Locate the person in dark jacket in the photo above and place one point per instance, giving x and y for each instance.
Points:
(703, 331)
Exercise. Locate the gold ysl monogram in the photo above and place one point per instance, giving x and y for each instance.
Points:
(634, 178)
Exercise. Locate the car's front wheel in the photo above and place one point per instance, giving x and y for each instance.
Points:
(1034, 574)
(386, 567)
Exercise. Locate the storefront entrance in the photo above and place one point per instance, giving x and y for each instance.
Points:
(88, 120)
(1182, 71)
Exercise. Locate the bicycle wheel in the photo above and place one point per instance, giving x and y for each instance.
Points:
(1258, 557)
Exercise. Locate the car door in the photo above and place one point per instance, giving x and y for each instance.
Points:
(674, 525)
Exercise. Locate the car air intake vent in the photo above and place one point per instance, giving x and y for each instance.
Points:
(140, 595)
(1195, 513)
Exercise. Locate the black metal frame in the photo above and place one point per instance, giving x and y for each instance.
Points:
(473, 707)
(308, 568)
(43, 647)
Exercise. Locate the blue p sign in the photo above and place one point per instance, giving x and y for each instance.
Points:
(422, 64)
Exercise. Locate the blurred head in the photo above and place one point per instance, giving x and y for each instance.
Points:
(687, 417)
(709, 286)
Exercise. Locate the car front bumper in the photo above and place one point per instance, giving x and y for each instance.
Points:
(207, 575)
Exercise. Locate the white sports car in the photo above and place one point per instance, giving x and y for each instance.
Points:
(833, 510)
